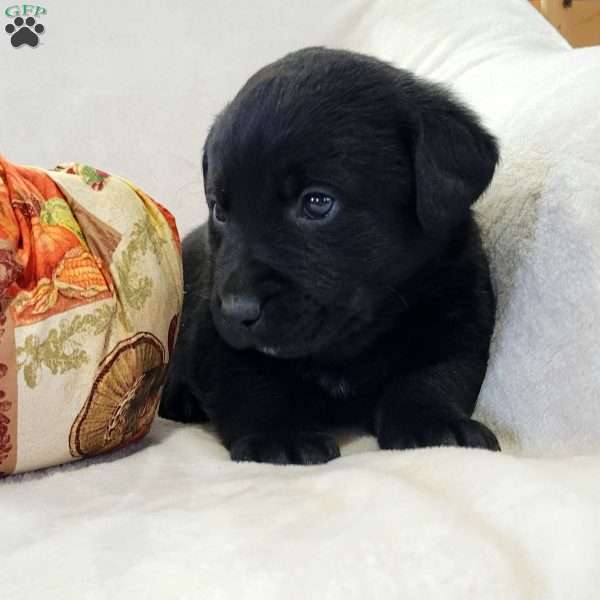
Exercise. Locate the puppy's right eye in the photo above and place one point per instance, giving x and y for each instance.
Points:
(218, 213)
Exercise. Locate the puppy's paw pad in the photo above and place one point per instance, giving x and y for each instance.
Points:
(466, 433)
(299, 448)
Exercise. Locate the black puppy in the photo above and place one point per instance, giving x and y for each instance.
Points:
(340, 280)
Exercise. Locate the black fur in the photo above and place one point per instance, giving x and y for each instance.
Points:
(377, 316)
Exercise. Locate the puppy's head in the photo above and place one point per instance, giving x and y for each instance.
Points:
(331, 179)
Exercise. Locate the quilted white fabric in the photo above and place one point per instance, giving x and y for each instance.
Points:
(132, 87)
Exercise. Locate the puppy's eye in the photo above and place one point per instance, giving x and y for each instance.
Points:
(219, 213)
(316, 205)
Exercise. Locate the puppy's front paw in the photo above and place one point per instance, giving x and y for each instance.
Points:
(420, 434)
(297, 448)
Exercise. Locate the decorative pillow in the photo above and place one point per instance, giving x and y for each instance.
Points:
(90, 292)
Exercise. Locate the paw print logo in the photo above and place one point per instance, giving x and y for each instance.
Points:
(24, 31)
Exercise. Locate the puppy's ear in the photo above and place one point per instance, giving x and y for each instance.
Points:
(454, 161)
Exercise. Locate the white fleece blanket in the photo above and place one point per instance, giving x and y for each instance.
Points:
(173, 517)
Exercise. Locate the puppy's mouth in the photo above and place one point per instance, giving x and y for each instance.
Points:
(269, 350)
(284, 329)
(293, 328)
(284, 340)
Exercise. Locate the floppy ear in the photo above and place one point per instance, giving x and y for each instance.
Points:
(454, 161)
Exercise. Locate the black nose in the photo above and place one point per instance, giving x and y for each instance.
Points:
(244, 310)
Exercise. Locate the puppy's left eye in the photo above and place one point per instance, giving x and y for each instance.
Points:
(316, 205)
